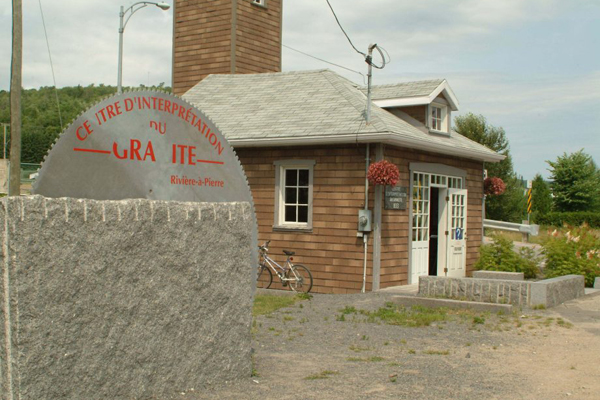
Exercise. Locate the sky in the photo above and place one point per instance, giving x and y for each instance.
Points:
(531, 67)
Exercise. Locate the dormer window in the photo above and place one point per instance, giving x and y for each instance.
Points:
(438, 118)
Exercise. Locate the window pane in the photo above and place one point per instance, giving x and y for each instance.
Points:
(290, 213)
(291, 177)
(290, 195)
(303, 177)
(302, 213)
(303, 196)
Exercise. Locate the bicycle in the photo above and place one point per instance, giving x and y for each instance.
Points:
(296, 276)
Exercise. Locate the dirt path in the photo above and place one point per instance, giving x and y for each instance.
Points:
(309, 351)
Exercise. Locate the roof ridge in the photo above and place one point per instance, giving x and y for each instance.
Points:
(411, 82)
(378, 123)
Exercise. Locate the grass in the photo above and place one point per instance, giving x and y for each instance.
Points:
(265, 304)
(367, 359)
(437, 352)
(416, 316)
(322, 375)
(358, 349)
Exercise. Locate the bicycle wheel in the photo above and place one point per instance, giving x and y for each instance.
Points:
(265, 277)
(303, 279)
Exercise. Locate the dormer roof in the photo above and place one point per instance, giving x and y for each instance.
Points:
(412, 94)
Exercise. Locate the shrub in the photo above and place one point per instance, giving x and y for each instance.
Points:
(573, 251)
(500, 256)
(576, 218)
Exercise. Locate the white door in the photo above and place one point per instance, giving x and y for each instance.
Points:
(420, 227)
(456, 255)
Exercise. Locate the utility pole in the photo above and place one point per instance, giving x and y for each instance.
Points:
(14, 173)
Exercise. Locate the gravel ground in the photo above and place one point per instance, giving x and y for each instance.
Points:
(306, 352)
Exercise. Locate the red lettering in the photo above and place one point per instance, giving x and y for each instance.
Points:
(88, 130)
(161, 104)
(174, 108)
(191, 155)
(149, 152)
(128, 104)
(111, 113)
(168, 106)
(101, 112)
(182, 148)
(174, 158)
(116, 152)
(135, 148)
(181, 112)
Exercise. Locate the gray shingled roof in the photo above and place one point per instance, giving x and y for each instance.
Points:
(405, 89)
(308, 105)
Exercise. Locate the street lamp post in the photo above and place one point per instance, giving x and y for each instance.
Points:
(131, 10)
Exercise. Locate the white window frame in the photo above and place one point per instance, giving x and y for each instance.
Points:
(444, 118)
(280, 168)
(262, 3)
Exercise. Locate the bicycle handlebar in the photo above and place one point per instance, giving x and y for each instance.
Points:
(265, 246)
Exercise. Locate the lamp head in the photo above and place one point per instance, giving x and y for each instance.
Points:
(163, 6)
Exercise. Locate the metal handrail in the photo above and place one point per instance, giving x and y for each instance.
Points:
(533, 230)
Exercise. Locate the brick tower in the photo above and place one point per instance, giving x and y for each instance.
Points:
(224, 37)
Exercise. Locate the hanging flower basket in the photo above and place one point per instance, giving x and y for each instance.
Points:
(383, 173)
(493, 186)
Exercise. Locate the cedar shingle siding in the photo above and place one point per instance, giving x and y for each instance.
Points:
(332, 251)
(224, 37)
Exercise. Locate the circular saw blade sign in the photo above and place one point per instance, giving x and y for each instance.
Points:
(143, 144)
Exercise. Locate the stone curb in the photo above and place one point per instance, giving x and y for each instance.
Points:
(455, 304)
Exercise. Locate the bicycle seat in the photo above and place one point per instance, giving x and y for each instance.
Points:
(289, 253)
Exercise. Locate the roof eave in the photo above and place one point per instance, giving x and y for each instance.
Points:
(377, 137)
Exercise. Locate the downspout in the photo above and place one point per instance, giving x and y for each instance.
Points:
(368, 120)
(365, 234)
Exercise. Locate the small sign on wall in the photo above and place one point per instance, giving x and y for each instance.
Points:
(396, 197)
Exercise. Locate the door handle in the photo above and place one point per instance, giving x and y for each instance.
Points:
(433, 237)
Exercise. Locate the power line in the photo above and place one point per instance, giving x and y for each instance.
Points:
(51, 66)
(325, 61)
(340, 25)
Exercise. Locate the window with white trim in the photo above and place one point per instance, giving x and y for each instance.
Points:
(293, 197)
(438, 118)
(260, 2)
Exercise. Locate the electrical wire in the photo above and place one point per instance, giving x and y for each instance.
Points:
(325, 61)
(51, 66)
(340, 25)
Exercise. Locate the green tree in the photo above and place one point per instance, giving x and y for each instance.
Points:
(575, 182)
(511, 205)
(541, 198)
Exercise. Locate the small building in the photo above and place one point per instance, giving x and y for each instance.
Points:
(304, 143)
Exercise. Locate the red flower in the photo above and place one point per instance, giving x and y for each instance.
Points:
(493, 186)
(383, 173)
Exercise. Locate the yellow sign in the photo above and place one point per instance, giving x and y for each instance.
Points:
(529, 201)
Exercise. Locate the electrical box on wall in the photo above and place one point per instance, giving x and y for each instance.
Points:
(364, 220)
